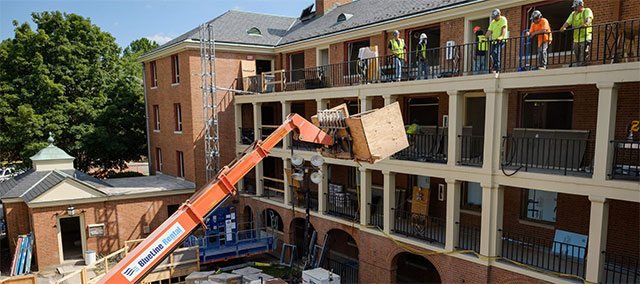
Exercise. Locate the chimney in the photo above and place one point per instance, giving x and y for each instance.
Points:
(324, 5)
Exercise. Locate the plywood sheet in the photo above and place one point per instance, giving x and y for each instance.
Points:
(378, 134)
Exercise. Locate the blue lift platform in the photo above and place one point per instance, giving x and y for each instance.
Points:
(222, 239)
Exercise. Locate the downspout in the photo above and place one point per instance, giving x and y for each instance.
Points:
(146, 117)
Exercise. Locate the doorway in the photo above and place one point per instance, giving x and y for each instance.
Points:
(71, 237)
(262, 66)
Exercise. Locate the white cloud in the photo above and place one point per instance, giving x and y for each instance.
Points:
(159, 38)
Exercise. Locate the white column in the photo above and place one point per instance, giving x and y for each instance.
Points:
(605, 128)
(598, 223)
(257, 123)
(286, 164)
(321, 104)
(496, 107)
(366, 104)
(365, 196)
(323, 187)
(286, 110)
(456, 101)
(238, 120)
(492, 204)
(389, 203)
(453, 214)
(389, 99)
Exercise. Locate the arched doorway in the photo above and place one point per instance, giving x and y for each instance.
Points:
(413, 268)
(271, 221)
(342, 255)
(247, 219)
(296, 231)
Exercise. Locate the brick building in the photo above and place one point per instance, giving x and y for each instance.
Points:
(538, 168)
(70, 213)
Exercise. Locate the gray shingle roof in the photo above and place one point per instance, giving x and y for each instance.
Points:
(31, 184)
(232, 26)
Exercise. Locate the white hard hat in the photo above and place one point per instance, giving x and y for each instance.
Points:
(577, 3)
(495, 13)
(536, 15)
(396, 33)
(423, 36)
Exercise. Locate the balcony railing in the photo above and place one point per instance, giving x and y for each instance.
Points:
(548, 155)
(246, 136)
(425, 148)
(249, 185)
(621, 268)
(348, 270)
(545, 254)
(343, 205)
(626, 160)
(303, 146)
(611, 43)
(273, 188)
(468, 237)
(471, 149)
(376, 218)
(300, 199)
(428, 228)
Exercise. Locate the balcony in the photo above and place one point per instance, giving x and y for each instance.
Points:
(471, 150)
(626, 160)
(266, 130)
(343, 205)
(545, 254)
(249, 185)
(246, 136)
(612, 42)
(273, 188)
(304, 146)
(563, 152)
(300, 198)
(423, 227)
(426, 147)
(377, 213)
(468, 237)
(621, 268)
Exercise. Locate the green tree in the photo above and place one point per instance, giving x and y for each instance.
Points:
(67, 77)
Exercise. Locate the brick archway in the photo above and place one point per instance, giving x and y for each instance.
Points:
(407, 267)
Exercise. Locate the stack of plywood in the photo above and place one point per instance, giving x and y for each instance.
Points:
(376, 134)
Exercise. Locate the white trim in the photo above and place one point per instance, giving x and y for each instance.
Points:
(175, 84)
(177, 132)
(83, 237)
(156, 131)
(153, 88)
(109, 198)
(33, 185)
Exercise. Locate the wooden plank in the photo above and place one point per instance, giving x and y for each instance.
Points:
(21, 279)
(274, 179)
(420, 200)
(383, 131)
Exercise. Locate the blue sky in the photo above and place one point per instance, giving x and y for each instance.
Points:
(128, 20)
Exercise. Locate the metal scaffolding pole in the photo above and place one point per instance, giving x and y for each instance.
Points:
(209, 100)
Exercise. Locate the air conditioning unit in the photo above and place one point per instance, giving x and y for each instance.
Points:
(320, 276)
(449, 54)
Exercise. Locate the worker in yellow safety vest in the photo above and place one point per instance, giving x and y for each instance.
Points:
(413, 128)
(481, 51)
(398, 50)
(580, 21)
(423, 64)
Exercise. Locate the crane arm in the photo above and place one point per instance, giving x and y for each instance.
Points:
(163, 240)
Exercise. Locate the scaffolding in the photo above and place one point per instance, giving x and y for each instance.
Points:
(209, 99)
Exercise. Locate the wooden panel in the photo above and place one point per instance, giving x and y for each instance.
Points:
(420, 200)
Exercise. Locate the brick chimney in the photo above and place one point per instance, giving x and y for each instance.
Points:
(324, 5)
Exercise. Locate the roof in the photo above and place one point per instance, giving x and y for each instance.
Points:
(31, 184)
(51, 152)
(232, 26)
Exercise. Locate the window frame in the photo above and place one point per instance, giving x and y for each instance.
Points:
(464, 205)
(156, 118)
(180, 164)
(158, 159)
(177, 114)
(524, 207)
(175, 70)
(154, 74)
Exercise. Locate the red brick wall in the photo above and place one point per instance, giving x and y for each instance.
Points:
(123, 219)
(323, 5)
(18, 222)
(336, 53)
(310, 58)
(629, 10)
(247, 116)
(623, 235)
(627, 109)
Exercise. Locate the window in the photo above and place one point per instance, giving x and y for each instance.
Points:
(471, 196)
(343, 17)
(556, 13)
(296, 66)
(539, 205)
(156, 117)
(353, 50)
(154, 74)
(175, 70)
(254, 32)
(423, 110)
(547, 110)
(158, 160)
(177, 113)
(172, 208)
(433, 41)
(180, 162)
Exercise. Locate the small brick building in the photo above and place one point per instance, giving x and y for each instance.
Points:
(70, 212)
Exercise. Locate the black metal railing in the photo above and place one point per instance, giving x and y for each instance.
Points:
(471, 150)
(555, 155)
(303, 146)
(246, 136)
(265, 131)
(420, 226)
(300, 199)
(348, 270)
(609, 43)
(249, 185)
(376, 218)
(468, 237)
(273, 189)
(626, 160)
(544, 253)
(621, 268)
(425, 148)
(343, 205)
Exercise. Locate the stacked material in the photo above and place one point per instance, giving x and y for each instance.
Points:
(22, 257)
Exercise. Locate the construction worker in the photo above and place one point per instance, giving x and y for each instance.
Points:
(540, 27)
(497, 32)
(413, 128)
(580, 21)
(398, 50)
(481, 51)
(423, 64)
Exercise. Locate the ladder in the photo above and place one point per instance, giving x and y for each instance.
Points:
(209, 100)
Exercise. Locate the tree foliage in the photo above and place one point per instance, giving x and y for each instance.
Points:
(67, 77)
